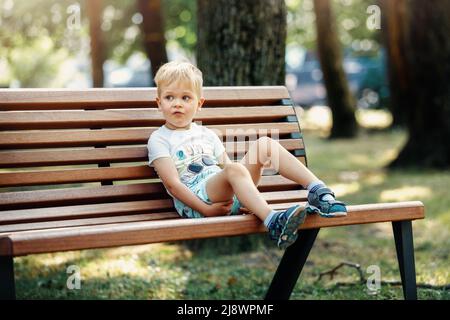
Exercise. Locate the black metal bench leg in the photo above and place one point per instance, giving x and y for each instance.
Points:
(404, 245)
(291, 266)
(7, 285)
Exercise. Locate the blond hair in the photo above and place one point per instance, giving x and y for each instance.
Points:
(175, 71)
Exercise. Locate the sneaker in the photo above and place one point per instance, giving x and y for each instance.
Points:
(326, 208)
(284, 226)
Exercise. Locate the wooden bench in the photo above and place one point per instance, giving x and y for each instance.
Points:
(73, 175)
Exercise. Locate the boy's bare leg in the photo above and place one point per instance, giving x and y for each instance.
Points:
(268, 151)
(233, 180)
(236, 179)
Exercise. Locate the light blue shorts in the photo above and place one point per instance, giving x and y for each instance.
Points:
(198, 187)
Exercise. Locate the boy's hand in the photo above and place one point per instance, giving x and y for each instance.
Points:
(219, 208)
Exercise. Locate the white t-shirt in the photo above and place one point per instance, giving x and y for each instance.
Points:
(185, 147)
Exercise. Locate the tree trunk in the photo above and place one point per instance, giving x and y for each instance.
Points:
(340, 100)
(428, 85)
(94, 11)
(394, 23)
(242, 42)
(153, 30)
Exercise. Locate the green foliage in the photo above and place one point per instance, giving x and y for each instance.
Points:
(181, 24)
(26, 21)
(36, 38)
(26, 25)
(23, 23)
(351, 17)
(121, 29)
(37, 64)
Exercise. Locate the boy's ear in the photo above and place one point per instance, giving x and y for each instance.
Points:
(201, 101)
(158, 102)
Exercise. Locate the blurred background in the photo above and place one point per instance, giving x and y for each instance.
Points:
(356, 63)
(49, 43)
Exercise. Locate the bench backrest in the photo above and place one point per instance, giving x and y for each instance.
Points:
(82, 147)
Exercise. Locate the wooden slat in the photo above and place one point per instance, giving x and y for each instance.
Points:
(14, 120)
(75, 176)
(116, 193)
(20, 159)
(271, 197)
(45, 99)
(9, 228)
(73, 196)
(133, 233)
(82, 175)
(366, 213)
(285, 196)
(73, 138)
(8, 217)
(84, 211)
(88, 138)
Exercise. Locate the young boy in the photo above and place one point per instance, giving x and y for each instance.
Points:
(187, 156)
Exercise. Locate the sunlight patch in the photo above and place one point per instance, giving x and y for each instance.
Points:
(377, 119)
(317, 118)
(113, 268)
(361, 159)
(349, 176)
(389, 155)
(430, 230)
(444, 218)
(343, 189)
(134, 250)
(406, 193)
(375, 179)
(59, 258)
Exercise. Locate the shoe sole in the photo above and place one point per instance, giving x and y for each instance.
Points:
(290, 231)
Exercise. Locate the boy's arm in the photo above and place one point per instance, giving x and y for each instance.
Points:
(168, 173)
(169, 176)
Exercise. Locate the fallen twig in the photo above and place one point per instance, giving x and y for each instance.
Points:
(362, 279)
(333, 271)
(399, 283)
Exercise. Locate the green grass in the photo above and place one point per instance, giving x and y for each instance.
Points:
(353, 168)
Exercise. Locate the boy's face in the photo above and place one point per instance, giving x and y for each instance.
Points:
(179, 103)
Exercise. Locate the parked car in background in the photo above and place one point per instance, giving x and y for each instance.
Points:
(365, 75)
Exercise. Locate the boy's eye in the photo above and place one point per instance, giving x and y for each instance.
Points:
(170, 98)
(186, 98)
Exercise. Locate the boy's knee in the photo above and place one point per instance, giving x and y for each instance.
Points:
(265, 140)
(235, 170)
(265, 145)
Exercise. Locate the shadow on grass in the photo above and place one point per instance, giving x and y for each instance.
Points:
(204, 276)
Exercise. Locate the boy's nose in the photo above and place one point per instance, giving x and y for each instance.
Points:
(177, 106)
(177, 103)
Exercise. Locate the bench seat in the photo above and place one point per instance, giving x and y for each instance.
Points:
(133, 229)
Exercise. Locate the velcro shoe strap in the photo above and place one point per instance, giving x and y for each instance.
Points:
(319, 193)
